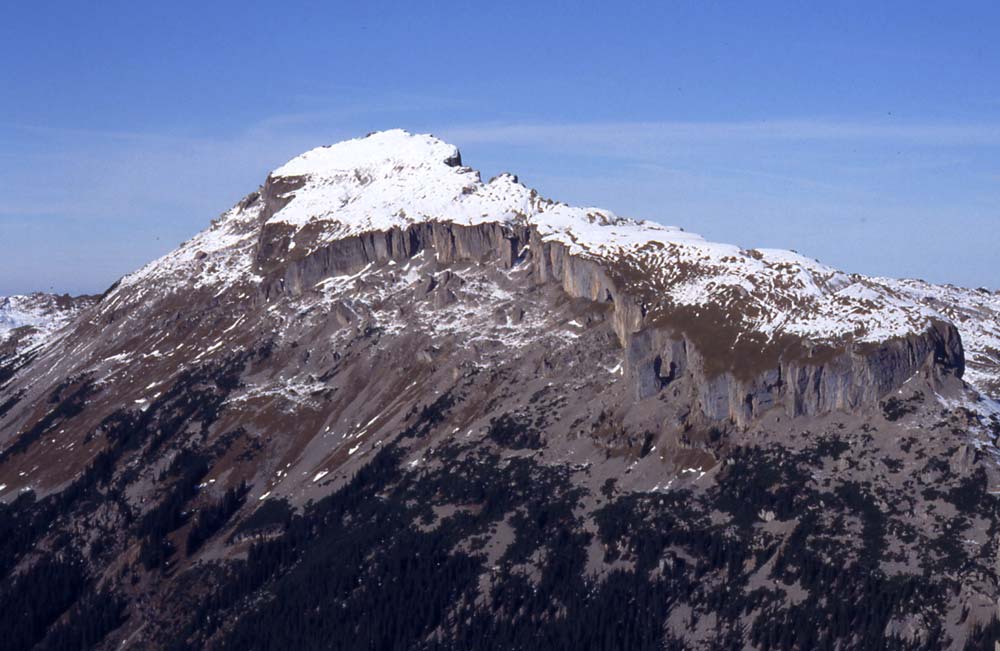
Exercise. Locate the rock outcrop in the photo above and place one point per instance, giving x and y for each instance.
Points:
(846, 379)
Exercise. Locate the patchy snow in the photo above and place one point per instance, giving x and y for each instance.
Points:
(19, 311)
(294, 392)
(983, 418)
(220, 256)
(42, 313)
(976, 314)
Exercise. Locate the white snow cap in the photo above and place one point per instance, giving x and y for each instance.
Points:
(394, 146)
(394, 178)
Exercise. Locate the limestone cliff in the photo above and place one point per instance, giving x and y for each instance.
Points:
(663, 343)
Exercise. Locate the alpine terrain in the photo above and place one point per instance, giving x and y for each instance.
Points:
(382, 403)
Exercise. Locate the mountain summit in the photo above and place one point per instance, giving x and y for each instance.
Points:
(754, 324)
(379, 383)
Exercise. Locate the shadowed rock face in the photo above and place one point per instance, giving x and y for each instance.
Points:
(487, 243)
(847, 379)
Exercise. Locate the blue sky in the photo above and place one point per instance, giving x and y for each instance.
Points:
(866, 137)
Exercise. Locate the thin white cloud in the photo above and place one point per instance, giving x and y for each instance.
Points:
(622, 135)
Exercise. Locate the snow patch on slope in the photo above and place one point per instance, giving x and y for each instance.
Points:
(42, 313)
(220, 256)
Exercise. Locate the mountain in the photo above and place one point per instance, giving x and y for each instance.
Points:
(381, 403)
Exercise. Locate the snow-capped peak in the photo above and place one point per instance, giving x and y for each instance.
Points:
(391, 179)
(392, 148)
(394, 179)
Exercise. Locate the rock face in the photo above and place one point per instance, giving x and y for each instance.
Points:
(847, 379)
(802, 377)
(379, 383)
(448, 243)
(976, 313)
